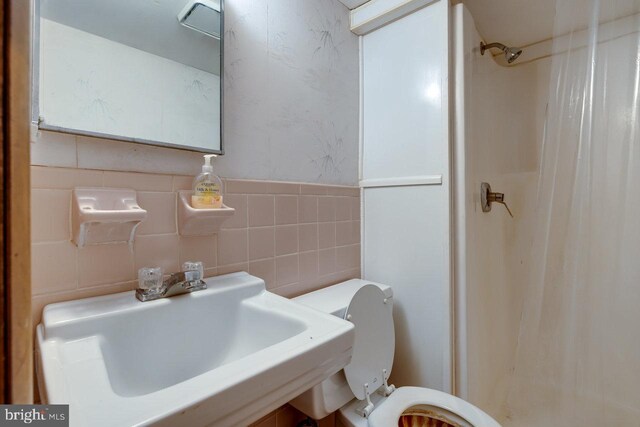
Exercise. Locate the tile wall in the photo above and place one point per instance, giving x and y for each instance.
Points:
(288, 416)
(297, 237)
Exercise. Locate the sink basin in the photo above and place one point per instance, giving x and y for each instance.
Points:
(223, 356)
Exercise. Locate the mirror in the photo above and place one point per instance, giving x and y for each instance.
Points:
(140, 71)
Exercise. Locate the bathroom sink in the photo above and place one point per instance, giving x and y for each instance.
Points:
(223, 356)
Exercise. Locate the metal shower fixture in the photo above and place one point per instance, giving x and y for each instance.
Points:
(487, 197)
(510, 53)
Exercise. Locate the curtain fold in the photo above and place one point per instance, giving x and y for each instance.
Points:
(578, 355)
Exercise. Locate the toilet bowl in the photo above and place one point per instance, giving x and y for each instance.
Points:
(361, 393)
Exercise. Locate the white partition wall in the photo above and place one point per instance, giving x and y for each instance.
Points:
(492, 249)
(405, 180)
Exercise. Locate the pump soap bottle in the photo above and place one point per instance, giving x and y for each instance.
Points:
(207, 187)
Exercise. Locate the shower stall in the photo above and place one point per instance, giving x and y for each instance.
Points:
(533, 316)
(547, 303)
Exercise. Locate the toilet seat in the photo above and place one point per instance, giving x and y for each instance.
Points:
(370, 367)
(373, 347)
(389, 411)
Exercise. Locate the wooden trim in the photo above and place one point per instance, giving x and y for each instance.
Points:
(16, 200)
(3, 299)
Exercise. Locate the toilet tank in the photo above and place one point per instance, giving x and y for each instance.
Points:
(334, 392)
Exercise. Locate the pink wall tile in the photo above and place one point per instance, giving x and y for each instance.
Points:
(326, 235)
(239, 186)
(344, 233)
(181, 182)
(308, 267)
(261, 210)
(286, 269)
(161, 212)
(199, 248)
(308, 237)
(343, 208)
(44, 177)
(105, 264)
(326, 209)
(53, 149)
(286, 210)
(340, 190)
(233, 268)
(241, 217)
(50, 213)
(355, 230)
(347, 257)
(53, 267)
(286, 239)
(261, 243)
(138, 181)
(264, 269)
(326, 261)
(355, 208)
(317, 189)
(232, 246)
(159, 250)
(307, 209)
(283, 188)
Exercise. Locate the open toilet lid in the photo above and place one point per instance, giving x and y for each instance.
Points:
(374, 342)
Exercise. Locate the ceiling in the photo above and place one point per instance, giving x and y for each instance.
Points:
(151, 26)
(513, 22)
(524, 22)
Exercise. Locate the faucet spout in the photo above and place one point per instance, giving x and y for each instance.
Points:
(176, 284)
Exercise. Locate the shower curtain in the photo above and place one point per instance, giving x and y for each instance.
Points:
(578, 355)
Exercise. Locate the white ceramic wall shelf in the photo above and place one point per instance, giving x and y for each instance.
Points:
(105, 215)
(200, 222)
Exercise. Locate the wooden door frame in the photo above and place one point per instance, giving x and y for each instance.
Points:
(17, 349)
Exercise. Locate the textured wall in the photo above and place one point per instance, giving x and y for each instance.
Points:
(291, 91)
(291, 102)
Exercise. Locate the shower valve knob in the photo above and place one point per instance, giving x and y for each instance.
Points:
(487, 197)
(495, 197)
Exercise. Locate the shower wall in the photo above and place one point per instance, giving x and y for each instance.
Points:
(498, 127)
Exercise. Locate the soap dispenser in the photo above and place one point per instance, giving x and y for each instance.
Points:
(207, 187)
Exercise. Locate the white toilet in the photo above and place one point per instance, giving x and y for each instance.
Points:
(377, 404)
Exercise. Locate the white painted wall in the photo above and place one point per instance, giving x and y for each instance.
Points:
(291, 102)
(406, 241)
(499, 120)
(94, 84)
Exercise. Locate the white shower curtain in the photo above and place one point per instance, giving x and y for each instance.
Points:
(578, 355)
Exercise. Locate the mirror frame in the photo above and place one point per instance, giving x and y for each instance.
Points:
(38, 122)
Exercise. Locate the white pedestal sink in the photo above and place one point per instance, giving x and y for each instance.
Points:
(224, 356)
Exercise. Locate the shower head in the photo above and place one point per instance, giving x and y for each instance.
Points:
(510, 53)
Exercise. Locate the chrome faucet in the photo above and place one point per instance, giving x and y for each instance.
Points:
(152, 287)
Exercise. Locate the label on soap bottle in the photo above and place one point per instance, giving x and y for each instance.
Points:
(207, 196)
